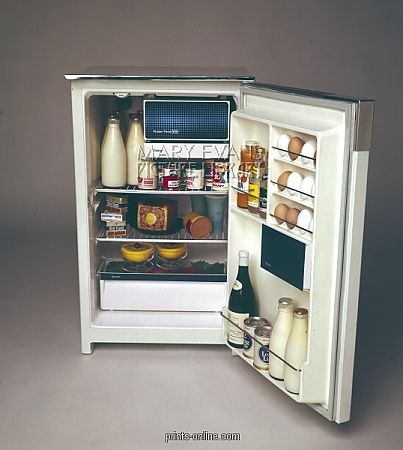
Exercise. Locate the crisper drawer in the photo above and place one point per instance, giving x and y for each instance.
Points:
(162, 295)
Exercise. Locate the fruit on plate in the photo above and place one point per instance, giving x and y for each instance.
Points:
(171, 251)
(137, 252)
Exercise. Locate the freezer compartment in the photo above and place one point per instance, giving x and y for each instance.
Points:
(99, 104)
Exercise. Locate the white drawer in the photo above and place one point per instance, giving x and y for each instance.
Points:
(162, 295)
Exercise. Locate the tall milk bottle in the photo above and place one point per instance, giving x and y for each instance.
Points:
(134, 148)
(113, 155)
(295, 351)
(279, 336)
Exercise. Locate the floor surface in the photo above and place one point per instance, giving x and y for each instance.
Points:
(128, 396)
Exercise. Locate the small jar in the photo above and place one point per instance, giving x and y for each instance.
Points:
(208, 174)
(171, 178)
(250, 324)
(261, 347)
(194, 172)
(160, 173)
(147, 178)
(221, 176)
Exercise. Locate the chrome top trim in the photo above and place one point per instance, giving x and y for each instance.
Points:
(162, 73)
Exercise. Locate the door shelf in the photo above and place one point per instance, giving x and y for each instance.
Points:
(264, 373)
(245, 213)
(134, 235)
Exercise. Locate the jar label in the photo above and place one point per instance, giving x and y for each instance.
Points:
(147, 183)
(173, 184)
(194, 178)
(236, 335)
(247, 342)
(253, 197)
(243, 180)
(264, 354)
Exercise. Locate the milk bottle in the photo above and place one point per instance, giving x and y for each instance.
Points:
(134, 148)
(295, 351)
(279, 337)
(113, 155)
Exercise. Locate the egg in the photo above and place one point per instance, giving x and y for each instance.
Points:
(294, 183)
(282, 180)
(282, 143)
(294, 147)
(304, 219)
(308, 151)
(280, 212)
(292, 217)
(307, 187)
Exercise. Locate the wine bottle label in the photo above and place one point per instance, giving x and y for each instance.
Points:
(263, 199)
(253, 198)
(235, 335)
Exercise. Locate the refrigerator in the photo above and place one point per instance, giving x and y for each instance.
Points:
(318, 265)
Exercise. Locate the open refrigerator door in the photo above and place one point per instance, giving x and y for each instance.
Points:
(316, 260)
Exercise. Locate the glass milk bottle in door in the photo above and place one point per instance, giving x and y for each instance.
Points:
(134, 148)
(295, 351)
(113, 154)
(279, 337)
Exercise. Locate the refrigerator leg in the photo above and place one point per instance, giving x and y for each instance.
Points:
(87, 347)
(233, 353)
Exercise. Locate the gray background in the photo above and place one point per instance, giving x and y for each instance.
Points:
(348, 47)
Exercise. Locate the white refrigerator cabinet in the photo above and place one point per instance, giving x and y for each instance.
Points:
(319, 266)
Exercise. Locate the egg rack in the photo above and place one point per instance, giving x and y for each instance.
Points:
(296, 188)
(300, 189)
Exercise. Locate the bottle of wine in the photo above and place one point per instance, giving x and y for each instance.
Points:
(247, 289)
(242, 302)
(237, 313)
